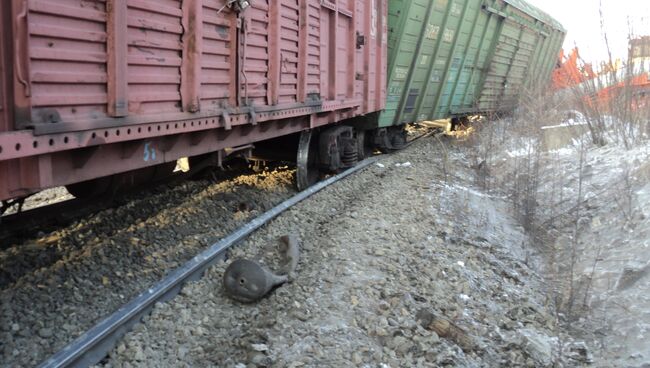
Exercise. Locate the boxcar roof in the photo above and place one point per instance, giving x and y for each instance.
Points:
(537, 13)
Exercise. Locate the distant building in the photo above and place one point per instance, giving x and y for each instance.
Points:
(639, 53)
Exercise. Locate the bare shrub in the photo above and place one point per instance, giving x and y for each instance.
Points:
(520, 134)
(530, 178)
(552, 194)
(624, 196)
(613, 107)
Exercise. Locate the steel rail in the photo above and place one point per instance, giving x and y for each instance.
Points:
(97, 342)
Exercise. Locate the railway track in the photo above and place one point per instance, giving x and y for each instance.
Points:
(142, 249)
(92, 346)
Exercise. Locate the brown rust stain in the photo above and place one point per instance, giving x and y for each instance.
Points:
(190, 65)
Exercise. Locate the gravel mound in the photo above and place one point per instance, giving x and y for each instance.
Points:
(403, 264)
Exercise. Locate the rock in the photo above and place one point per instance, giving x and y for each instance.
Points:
(445, 328)
(260, 347)
(579, 352)
(182, 352)
(630, 276)
(538, 346)
(138, 354)
(381, 331)
(397, 341)
(356, 358)
(121, 348)
(259, 359)
(433, 338)
(300, 315)
(404, 347)
(45, 332)
(424, 317)
(384, 306)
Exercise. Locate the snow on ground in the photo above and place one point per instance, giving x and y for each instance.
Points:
(596, 212)
(614, 256)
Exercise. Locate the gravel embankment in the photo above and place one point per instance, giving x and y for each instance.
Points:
(54, 287)
(401, 265)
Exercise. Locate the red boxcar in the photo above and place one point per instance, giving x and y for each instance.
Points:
(91, 88)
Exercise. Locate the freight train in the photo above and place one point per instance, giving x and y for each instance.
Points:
(95, 94)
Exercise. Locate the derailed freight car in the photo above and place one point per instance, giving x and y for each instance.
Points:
(95, 93)
(92, 89)
(451, 58)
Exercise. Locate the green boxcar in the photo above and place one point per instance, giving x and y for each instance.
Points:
(451, 58)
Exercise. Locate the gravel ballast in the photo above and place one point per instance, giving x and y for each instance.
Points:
(55, 286)
(403, 264)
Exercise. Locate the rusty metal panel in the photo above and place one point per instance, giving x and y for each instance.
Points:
(155, 55)
(6, 52)
(22, 89)
(289, 46)
(261, 54)
(366, 33)
(116, 64)
(218, 56)
(378, 53)
(67, 60)
(192, 46)
(19, 177)
(313, 50)
(83, 64)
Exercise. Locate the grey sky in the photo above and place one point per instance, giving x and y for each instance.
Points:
(582, 20)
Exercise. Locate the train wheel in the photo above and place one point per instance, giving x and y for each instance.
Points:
(397, 136)
(364, 146)
(390, 139)
(307, 172)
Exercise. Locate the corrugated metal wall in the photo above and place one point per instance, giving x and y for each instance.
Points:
(455, 57)
(5, 61)
(100, 59)
(218, 53)
(97, 81)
